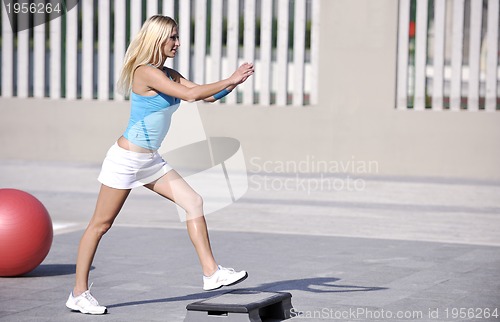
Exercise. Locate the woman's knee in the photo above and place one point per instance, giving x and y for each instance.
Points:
(196, 201)
(195, 204)
(100, 228)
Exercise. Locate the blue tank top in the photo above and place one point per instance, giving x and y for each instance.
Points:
(150, 118)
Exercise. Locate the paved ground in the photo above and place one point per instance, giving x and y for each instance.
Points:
(418, 249)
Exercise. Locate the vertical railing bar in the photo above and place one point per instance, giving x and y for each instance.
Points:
(402, 63)
(282, 53)
(135, 17)
(71, 53)
(265, 56)
(299, 45)
(119, 45)
(168, 9)
(492, 56)
(233, 12)
(151, 8)
(456, 55)
(7, 56)
(420, 54)
(474, 54)
(87, 48)
(249, 48)
(103, 49)
(55, 56)
(216, 42)
(315, 31)
(438, 66)
(185, 37)
(200, 37)
(23, 68)
(39, 58)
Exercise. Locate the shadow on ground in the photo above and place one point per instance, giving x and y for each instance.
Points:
(45, 270)
(313, 285)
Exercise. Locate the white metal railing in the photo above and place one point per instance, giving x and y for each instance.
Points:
(79, 66)
(451, 60)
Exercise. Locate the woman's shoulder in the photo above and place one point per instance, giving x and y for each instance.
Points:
(171, 73)
(149, 72)
(146, 68)
(146, 71)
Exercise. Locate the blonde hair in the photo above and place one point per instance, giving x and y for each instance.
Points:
(145, 48)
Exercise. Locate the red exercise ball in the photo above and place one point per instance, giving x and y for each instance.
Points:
(25, 232)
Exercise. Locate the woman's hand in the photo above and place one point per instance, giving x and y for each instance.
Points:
(242, 73)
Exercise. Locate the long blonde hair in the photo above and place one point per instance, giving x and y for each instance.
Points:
(145, 48)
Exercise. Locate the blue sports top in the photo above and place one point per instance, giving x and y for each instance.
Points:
(150, 118)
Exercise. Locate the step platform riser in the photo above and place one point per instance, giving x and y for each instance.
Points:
(242, 306)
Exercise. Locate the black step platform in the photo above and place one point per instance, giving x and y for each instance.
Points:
(241, 305)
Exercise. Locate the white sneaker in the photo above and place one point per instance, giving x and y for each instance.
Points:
(223, 277)
(85, 303)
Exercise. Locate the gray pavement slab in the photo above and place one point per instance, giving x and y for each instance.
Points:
(426, 209)
(420, 247)
(151, 274)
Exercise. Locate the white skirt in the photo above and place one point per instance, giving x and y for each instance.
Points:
(124, 169)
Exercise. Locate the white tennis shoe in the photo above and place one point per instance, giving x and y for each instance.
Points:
(85, 303)
(223, 277)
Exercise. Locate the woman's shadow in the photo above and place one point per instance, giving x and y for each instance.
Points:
(313, 285)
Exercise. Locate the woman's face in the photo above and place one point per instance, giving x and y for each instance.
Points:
(172, 44)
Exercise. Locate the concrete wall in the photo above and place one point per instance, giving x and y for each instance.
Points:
(355, 120)
(356, 117)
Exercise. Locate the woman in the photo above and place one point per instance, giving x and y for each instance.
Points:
(134, 161)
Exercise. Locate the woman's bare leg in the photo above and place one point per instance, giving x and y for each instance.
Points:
(109, 203)
(175, 188)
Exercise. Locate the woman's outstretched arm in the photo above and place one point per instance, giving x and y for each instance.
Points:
(153, 78)
(186, 82)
